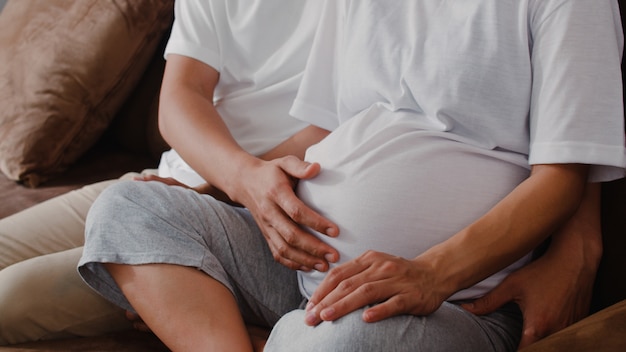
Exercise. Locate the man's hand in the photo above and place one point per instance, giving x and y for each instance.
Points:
(551, 296)
(267, 190)
(395, 285)
(137, 322)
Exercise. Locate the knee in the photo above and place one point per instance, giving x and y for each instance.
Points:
(17, 292)
(122, 199)
(292, 334)
(120, 193)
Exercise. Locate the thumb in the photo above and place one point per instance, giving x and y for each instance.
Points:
(489, 302)
(529, 335)
(297, 168)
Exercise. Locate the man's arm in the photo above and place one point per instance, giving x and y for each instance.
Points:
(555, 290)
(190, 123)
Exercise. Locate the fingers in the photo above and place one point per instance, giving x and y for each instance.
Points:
(138, 323)
(170, 181)
(282, 217)
(299, 212)
(539, 322)
(490, 302)
(399, 304)
(294, 247)
(297, 168)
(529, 336)
(332, 298)
(392, 284)
(369, 279)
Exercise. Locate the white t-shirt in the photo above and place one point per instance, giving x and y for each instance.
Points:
(439, 107)
(260, 48)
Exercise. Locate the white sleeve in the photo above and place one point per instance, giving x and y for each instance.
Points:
(316, 101)
(195, 33)
(576, 111)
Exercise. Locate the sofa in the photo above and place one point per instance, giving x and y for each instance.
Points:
(79, 85)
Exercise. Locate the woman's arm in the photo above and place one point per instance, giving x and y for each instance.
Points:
(190, 123)
(512, 228)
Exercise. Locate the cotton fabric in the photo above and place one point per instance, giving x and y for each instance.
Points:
(48, 238)
(439, 108)
(260, 65)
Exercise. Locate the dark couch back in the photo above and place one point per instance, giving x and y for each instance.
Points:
(611, 279)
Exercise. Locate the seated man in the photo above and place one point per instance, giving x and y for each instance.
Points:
(40, 247)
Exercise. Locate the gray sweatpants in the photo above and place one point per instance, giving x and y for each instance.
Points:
(148, 222)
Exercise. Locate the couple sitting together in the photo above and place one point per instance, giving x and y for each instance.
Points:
(367, 176)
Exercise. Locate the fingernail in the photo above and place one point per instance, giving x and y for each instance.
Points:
(327, 314)
(319, 267)
(332, 232)
(330, 257)
(310, 318)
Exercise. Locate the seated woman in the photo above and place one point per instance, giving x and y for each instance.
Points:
(463, 135)
(453, 146)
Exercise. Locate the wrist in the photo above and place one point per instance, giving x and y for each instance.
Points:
(233, 178)
(443, 279)
(452, 268)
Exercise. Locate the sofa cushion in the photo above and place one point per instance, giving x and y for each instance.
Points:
(67, 68)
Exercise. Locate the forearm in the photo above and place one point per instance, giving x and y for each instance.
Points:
(579, 241)
(190, 123)
(513, 227)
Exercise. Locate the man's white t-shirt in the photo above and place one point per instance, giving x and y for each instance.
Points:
(440, 107)
(260, 48)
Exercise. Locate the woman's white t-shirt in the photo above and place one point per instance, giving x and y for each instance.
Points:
(440, 107)
(260, 48)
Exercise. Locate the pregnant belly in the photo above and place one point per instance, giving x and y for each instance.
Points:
(398, 189)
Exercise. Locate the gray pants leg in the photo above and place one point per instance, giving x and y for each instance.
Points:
(148, 222)
(448, 329)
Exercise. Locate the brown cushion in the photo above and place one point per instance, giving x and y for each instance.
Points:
(67, 67)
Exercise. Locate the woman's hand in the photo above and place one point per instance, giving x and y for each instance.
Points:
(267, 190)
(555, 290)
(393, 285)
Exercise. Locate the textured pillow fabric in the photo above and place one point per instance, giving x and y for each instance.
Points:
(67, 67)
